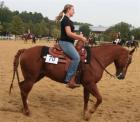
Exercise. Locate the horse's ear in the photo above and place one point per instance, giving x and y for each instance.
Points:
(132, 51)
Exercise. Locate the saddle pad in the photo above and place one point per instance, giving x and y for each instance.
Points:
(54, 60)
(44, 51)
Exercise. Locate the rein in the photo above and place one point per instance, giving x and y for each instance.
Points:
(104, 68)
(108, 71)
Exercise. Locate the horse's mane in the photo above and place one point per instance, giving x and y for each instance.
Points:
(105, 45)
(110, 45)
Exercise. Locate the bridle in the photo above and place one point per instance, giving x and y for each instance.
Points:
(127, 63)
(104, 68)
(124, 69)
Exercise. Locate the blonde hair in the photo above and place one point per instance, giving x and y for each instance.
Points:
(64, 11)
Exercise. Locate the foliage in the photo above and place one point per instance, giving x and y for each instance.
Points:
(85, 29)
(122, 27)
(1, 27)
(136, 33)
(17, 25)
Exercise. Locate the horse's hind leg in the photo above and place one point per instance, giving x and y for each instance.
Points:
(25, 87)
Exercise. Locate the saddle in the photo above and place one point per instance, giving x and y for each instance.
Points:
(56, 51)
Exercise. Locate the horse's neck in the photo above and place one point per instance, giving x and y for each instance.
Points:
(107, 55)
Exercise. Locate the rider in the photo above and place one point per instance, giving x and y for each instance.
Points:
(132, 38)
(118, 38)
(67, 43)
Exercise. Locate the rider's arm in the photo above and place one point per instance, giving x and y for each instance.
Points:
(74, 35)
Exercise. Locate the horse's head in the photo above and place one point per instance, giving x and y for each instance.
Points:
(122, 62)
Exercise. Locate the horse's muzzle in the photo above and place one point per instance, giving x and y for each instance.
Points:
(121, 76)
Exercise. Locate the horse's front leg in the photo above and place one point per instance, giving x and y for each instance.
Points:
(95, 92)
(86, 99)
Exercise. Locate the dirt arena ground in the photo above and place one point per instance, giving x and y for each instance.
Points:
(50, 101)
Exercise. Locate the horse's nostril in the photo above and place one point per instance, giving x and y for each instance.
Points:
(120, 76)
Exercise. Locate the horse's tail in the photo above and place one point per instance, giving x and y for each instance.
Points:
(15, 67)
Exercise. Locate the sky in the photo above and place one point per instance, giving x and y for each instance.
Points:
(95, 12)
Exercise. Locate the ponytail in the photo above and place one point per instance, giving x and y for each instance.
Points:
(59, 17)
(64, 11)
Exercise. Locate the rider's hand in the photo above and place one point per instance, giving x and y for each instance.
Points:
(84, 39)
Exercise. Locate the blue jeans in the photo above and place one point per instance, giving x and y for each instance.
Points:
(70, 51)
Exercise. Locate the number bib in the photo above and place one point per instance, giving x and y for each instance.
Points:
(50, 59)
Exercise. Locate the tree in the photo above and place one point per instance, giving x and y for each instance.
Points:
(41, 28)
(5, 13)
(1, 27)
(18, 22)
(34, 17)
(30, 26)
(55, 33)
(122, 27)
(17, 25)
(37, 17)
(136, 33)
(85, 30)
(44, 28)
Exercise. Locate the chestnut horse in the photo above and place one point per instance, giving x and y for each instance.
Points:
(27, 37)
(132, 44)
(34, 68)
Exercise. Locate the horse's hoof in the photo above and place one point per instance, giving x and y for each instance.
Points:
(26, 112)
(92, 110)
(87, 116)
